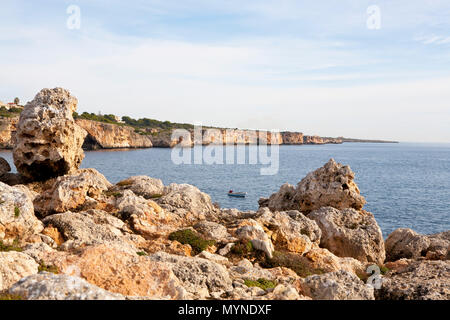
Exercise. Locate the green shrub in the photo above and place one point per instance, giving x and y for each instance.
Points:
(13, 247)
(5, 296)
(47, 268)
(242, 247)
(261, 283)
(187, 236)
(296, 262)
(141, 253)
(16, 212)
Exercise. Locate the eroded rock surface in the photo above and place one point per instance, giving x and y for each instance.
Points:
(48, 141)
(350, 233)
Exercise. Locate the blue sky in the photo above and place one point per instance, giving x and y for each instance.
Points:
(310, 66)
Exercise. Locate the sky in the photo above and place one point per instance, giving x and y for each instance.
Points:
(376, 69)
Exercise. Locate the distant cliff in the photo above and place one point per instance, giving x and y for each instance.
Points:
(103, 135)
(111, 136)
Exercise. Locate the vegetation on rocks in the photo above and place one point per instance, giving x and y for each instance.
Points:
(261, 283)
(187, 236)
(43, 267)
(12, 247)
(9, 113)
(5, 296)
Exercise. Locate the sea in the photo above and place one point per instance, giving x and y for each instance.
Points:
(406, 185)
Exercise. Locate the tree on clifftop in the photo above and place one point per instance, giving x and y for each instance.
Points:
(16, 101)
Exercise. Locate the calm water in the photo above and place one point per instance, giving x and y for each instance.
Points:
(405, 185)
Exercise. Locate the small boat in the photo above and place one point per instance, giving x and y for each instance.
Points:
(237, 194)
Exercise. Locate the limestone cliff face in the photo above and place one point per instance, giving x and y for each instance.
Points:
(109, 136)
(292, 137)
(7, 129)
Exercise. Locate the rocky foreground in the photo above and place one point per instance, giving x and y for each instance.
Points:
(68, 233)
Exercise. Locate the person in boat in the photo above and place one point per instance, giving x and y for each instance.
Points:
(231, 191)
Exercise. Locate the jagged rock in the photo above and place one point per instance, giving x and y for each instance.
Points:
(212, 230)
(49, 286)
(17, 219)
(128, 274)
(250, 230)
(107, 136)
(4, 166)
(93, 227)
(439, 248)
(214, 257)
(350, 233)
(332, 185)
(142, 186)
(200, 277)
(292, 137)
(406, 243)
(146, 217)
(71, 192)
(290, 230)
(186, 201)
(48, 142)
(14, 266)
(340, 285)
(419, 280)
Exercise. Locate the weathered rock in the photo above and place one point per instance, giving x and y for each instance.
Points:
(332, 185)
(250, 230)
(419, 280)
(146, 217)
(290, 230)
(14, 266)
(48, 142)
(350, 233)
(186, 201)
(406, 243)
(93, 227)
(17, 219)
(109, 136)
(439, 248)
(212, 230)
(71, 192)
(128, 274)
(149, 188)
(49, 286)
(340, 285)
(200, 277)
(4, 166)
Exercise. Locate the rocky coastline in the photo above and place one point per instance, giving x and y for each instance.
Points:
(70, 234)
(101, 135)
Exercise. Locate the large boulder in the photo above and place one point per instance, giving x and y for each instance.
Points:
(186, 201)
(70, 192)
(340, 285)
(332, 185)
(200, 277)
(93, 227)
(149, 188)
(48, 141)
(418, 280)
(406, 243)
(49, 286)
(350, 233)
(17, 219)
(290, 230)
(14, 266)
(128, 274)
